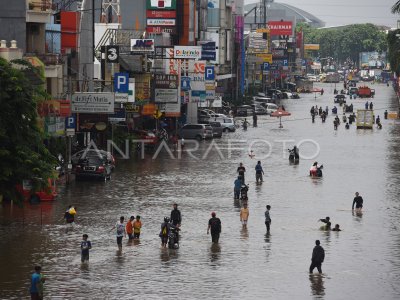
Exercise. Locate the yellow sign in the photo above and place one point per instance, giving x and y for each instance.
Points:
(263, 30)
(266, 57)
(157, 114)
(311, 46)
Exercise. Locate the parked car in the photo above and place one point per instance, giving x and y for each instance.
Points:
(151, 140)
(93, 152)
(196, 131)
(203, 116)
(228, 124)
(217, 128)
(93, 167)
(259, 109)
(244, 111)
(270, 107)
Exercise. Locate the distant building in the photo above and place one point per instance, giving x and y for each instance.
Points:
(278, 11)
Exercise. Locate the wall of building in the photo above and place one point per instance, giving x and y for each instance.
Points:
(12, 22)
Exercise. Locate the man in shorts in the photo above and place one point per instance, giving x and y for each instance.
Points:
(244, 215)
(358, 201)
(120, 226)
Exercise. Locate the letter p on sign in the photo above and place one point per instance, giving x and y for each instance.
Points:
(210, 75)
(121, 82)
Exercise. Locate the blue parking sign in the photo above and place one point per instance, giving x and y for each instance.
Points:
(209, 73)
(265, 66)
(121, 82)
(70, 122)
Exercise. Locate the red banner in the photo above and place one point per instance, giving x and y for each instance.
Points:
(159, 29)
(280, 27)
(163, 14)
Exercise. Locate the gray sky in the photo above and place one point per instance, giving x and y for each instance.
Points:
(342, 12)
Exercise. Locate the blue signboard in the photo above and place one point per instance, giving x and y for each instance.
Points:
(273, 67)
(285, 63)
(303, 62)
(70, 122)
(208, 55)
(121, 82)
(209, 73)
(209, 46)
(185, 83)
(265, 66)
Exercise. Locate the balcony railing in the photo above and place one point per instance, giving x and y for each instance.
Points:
(40, 5)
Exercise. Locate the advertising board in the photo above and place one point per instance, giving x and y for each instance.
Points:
(280, 27)
(92, 103)
(142, 45)
(161, 4)
(187, 52)
(161, 22)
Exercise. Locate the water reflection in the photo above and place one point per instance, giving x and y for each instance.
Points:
(215, 252)
(317, 285)
(244, 233)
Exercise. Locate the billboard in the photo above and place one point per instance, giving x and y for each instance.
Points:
(311, 46)
(142, 45)
(280, 27)
(163, 81)
(166, 95)
(159, 29)
(187, 52)
(373, 60)
(92, 103)
(161, 4)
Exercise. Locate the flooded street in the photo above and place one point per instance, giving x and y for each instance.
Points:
(361, 262)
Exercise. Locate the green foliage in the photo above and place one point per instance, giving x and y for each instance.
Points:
(394, 49)
(396, 8)
(345, 42)
(22, 152)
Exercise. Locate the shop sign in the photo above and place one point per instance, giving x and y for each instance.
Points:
(266, 57)
(142, 45)
(161, 22)
(171, 109)
(148, 109)
(164, 81)
(159, 29)
(161, 4)
(187, 52)
(163, 14)
(121, 97)
(93, 103)
(198, 96)
(166, 95)
(280, 27)
(118, 116)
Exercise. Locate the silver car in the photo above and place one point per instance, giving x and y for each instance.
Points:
(196, 131)
(228, 124)
(217, 129)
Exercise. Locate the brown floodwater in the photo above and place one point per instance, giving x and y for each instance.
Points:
(362, 261)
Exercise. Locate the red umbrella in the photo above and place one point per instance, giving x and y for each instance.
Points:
(280, 113)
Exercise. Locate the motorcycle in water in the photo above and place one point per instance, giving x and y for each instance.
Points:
(243, 191)
(173, 237)
(317, 172)
(293, 157)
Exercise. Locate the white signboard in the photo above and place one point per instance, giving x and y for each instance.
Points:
(121, 97)
(166, 95)
(131, 94)
(187, 52)
(161, 22)
(92, 103)
(142, 45)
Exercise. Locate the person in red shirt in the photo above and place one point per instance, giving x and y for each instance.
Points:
(129, 227)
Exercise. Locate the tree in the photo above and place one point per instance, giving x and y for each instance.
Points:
(396, 8)
(22, 152)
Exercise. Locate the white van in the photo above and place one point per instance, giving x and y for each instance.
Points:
(227, 124)
(270, 108)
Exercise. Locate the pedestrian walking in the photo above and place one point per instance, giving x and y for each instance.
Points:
(85, 247)
(259, 172)
(37, 281)
(137, 227)
(254, 119)
(358, 202)
(129, 227)
(268, 218)
(371, 106)
(69, 214)
(385, 114)
(318, 256)
(121, 232)
(366, 105)
(237, 187)
(176, 217)
(165, 227)
(244, 215)
(215, 225)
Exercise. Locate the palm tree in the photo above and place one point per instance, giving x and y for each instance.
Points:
(396, 8)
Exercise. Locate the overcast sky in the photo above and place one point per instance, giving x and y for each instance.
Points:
(341, 12)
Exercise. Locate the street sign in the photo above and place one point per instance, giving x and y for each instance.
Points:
(273, 67)
(121, 82)
(70, 132)
(121, 97)
(208, 55)
(118, 116)
(157, 114)
(209, 73)
(285, 63)
(70, 122)
(185, 83)
(265, 66)
(267, 57)
(208, 46)
(112, 54)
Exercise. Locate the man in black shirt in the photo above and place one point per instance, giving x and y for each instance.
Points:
(176, 217)
(317, 258)
(215, 225)
(241, 169)
(358, 201)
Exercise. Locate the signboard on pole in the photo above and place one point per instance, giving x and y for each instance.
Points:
(121, 82)
(187, 52)
(266, 57)
(280, 27)
(166, 95)
(118, 116)
(161, 22)
(93, 103)
(209, 73)
(161, 14)
(163, 81)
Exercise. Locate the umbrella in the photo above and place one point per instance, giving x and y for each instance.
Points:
(280, 113)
